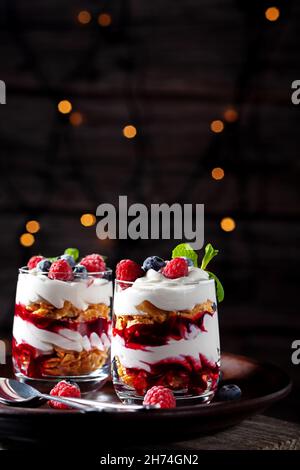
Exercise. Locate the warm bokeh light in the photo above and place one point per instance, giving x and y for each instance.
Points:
(272, 13)
(87, 220)
(76, 118)
(33, 226)
(231, 115)
(217, 173)
(104, 19)
(129, 131)
(227, 224)
(64, 106)
(84, 17)
(217, 126)
(27, 239)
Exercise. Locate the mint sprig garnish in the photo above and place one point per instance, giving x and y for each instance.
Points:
(184, 249)
(219, 287)
(72, 252)
(210, 253)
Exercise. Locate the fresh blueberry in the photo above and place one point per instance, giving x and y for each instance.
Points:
(229, 392)
(189, 261)
(153, 262)
(69, 259)
(43, 266)
(80, 271)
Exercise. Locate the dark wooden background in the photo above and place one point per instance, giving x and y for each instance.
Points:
(170, 68)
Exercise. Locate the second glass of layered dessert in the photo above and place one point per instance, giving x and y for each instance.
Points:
(62, 319)
(165, 330)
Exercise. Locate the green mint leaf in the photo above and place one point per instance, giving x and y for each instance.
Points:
(219, 287)
(210, 253)
(184, 249)
(72, 252)
(52, 259)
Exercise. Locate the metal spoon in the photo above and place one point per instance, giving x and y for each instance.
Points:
(15, 393)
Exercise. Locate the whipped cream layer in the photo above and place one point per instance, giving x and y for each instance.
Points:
(34, 287)
(45, 341)
(196, 343)
(167, 294)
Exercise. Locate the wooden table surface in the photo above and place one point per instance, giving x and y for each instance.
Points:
(258, 433)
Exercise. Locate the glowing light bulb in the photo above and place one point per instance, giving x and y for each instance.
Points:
(33, 226)
(27, 239)
(104, 19)
(64, 106)
(217, 126)
(87, 220)
(227, 224)
(217, 173)
(272, 13)
(84, 17)
(129, 131)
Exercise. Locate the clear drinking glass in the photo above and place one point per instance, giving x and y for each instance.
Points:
(62, 328)
(178, 348)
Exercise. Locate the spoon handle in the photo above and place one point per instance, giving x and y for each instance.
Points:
(92, 405)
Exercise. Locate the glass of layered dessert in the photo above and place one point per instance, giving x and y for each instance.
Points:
(62, 319)
(165, 330)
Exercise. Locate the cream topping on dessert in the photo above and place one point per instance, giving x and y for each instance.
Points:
(34, 287)
(167, 294)
(45, 341)
(197, 341)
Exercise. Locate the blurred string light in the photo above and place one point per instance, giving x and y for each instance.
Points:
(33, 226)
(64, 106)
(217, 126)
(27, 239)
(104, 19)
(218, 173)
(76, 118)
(231, 115)
(87, 220)
(84, 17)
(272, 13)
(227, 224)
(129, 131)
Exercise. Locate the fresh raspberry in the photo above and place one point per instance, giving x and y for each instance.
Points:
(160, 395)
(93, 263)
(128, 270)
(64, 389)
(34, 260)
(60, 270)
(177, 267)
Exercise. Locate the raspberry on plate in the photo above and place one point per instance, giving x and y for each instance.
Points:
(177, 267)
(34, 260)
(64, 389)
(60, 270)
(159, 395)
(128, 270)
(93, 263)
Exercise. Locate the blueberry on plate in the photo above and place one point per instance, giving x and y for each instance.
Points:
(229, 392)
(189, 261)
(69, 259)
(80, 271)
(153, 262)
(43, 266)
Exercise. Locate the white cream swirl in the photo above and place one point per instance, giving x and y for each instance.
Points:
(45, 341)
(167, 294)
(33, 287)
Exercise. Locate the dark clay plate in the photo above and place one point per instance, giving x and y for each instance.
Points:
(261, 384)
